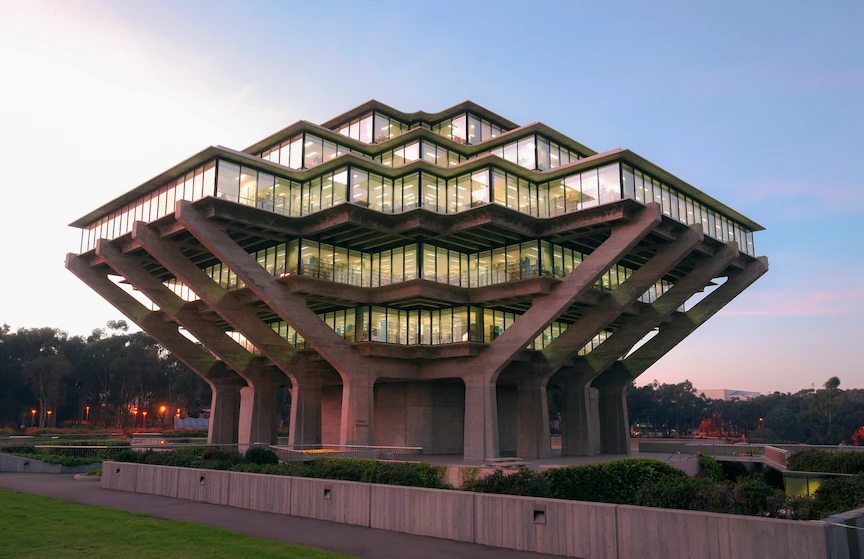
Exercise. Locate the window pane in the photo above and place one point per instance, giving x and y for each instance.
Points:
(229, 181)
(359, 187)
(527, 157)
(610, 183)
(543, 162)
(590, 189)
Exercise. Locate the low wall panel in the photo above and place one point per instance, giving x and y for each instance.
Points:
(337, 501)
(206, 486)
(261, 492)
(120, 476)
(437, 513)
(32, 465)
(157, 480)
(675, 534)
(569, 528)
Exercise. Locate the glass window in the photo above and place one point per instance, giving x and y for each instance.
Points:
(366, 129)
(382, 128)
(412, 152)
(610, 183)
(296, 157)
(229, 182)
(511, 153)
(475, 133)
(410, 191)
(359, 187)
(543, 154)
(314, 151)
(590, 190)
(558, 197)
(441, 266)
(629, 186)
(265, 192)
(430, 192)
(459, 129)
(480, 187)
(526, 155)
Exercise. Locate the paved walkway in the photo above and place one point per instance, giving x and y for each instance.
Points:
(353, 540)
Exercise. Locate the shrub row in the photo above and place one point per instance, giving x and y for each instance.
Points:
(262, 461)
(813, 460)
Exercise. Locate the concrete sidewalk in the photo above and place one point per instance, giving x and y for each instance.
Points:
(353, 540)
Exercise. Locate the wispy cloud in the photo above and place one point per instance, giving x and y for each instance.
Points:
(793, 302)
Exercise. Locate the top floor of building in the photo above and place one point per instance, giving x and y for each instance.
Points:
(391, 161)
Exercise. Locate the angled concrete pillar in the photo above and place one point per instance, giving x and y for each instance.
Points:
(305, 426)
(532, 419)
(651, 316)
(358, 411)
(545, 309)
(241, 317)
(614, 425)
(597, 318)
(671, 334)
(262, 382)
(290, 307)
(481, 418)
(224, 412)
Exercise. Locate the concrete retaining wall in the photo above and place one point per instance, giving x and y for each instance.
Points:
(643, 532)
(20, 464)
(845, 533)
(557, 527)
(423, 512)
(338, 501)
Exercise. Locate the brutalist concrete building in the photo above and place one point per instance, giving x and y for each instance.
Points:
(419, 279)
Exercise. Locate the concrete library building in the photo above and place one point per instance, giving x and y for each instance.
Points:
(419, 279)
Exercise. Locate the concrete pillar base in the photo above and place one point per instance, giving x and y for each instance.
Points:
(579, 429)
(614, 423)
(305, 426)
(481, 420)
(358, 407)
(258, 409)
(224, 413)
(532, 417)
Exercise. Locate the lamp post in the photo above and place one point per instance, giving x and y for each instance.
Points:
(87, 414)
(49, 412)
(32, 417)
(144, 418)
(162, 410)
(134, 416)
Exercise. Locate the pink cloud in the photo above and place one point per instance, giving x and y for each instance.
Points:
(789, 302)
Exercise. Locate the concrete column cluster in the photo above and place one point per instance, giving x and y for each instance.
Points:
(245, 382)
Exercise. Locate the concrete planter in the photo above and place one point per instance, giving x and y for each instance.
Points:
(552, 526)
(24, 465)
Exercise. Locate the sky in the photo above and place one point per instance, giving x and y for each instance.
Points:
(758, 104)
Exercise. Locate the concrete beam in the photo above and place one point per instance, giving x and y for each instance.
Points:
(262, 381)
(593, 320)
(673, 333)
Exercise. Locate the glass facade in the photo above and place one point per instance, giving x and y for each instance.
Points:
(644, 188)
(425, 327)
(372, 128)
(467, 129)
(537, 153)
(304, 151)
(155, 204)
(420, 150)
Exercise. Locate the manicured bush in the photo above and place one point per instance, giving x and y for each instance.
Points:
(687, 493)
(522, 482)
(756, 498)
(839, 494)
(711, 468)
(608, 482)
(732, 471)
(259, 455)
(812, 460)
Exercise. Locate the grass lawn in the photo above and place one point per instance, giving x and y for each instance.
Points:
(40, 527)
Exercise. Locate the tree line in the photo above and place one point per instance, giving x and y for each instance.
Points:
(827, 415)
(109, 378)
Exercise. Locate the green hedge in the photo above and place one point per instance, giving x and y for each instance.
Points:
(839, 494)
(608, 482)
(812, 460)
(711, 468)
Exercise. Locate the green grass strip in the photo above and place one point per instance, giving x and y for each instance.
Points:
(41, 527)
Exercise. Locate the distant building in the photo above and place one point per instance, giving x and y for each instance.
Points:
(726, 394)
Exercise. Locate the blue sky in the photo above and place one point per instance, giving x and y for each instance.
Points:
(757, 105)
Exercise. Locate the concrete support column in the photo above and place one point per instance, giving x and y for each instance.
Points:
(358, 411)
(532, 420)
(579, 429)
(305, 426)
(258, 412)
(481, 419)
(614, 423)
(224, 412)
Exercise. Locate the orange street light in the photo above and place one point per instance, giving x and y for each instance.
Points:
(32, 417)
(162, 409)
(87, 417)
(50, 412)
